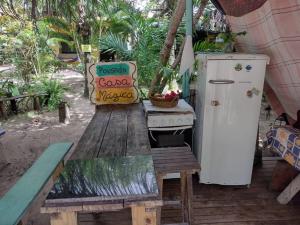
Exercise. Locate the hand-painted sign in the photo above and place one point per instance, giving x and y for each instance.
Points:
(86, 48)
(113, 83)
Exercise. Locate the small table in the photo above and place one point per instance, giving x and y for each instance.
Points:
(105, 184)
(177, 160)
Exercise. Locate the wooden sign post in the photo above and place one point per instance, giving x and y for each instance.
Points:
(113, 83)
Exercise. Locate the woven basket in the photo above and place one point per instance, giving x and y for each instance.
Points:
(163, 103)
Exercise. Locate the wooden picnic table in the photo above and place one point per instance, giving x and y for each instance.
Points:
(119, 132)
(105, 184)
(116, 148)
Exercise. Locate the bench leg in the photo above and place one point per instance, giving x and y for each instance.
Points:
(160, 182)
(189, 197)
(290, 191)
(184, 200)
(143, 215)
(64, 218)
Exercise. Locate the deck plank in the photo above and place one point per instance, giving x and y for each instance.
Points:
(91, 140)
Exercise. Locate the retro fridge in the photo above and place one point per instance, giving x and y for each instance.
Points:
(228, 100)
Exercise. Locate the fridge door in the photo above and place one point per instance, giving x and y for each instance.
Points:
(231, 111)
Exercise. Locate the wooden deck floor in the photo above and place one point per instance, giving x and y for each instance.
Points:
(213, 204)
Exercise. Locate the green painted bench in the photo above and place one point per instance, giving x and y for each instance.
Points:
(15, 203)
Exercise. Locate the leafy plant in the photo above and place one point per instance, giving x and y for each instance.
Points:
(54, 90)
(114, 43)
(145, 40)
(229, 39)
(206, 46)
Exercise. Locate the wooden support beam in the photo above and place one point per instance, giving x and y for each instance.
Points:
(64, 218)
(290, 191)
(143, 216)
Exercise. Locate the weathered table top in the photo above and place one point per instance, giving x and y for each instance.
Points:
(115, 130)
(127, 178)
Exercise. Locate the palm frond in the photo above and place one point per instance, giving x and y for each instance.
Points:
(55, 41)
(113, 43)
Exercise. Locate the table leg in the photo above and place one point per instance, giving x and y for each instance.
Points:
(290, 191)
(63, 218)
(143, 215)
(184, 201)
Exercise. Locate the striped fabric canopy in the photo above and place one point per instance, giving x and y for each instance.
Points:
(272, 28)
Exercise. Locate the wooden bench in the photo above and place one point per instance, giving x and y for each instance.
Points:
(177, 160)
(16, 202)
(13, 103)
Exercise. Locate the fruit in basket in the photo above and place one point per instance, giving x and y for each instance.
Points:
(168, 100)
(167, 97)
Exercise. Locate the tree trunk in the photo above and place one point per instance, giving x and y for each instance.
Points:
(165, 53)
(33, 11)
(177, 60)
(85, 33)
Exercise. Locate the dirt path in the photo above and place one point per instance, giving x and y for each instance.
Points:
(28, 135)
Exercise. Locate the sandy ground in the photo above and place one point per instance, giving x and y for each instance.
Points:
(28, 135)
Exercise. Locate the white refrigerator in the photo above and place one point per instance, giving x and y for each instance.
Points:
(228, 100)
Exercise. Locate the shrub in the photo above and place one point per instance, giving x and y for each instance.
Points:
(54, 90)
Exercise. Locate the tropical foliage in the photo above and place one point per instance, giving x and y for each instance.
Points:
(32, 33)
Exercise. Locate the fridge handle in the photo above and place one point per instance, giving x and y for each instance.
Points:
(221, 81)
